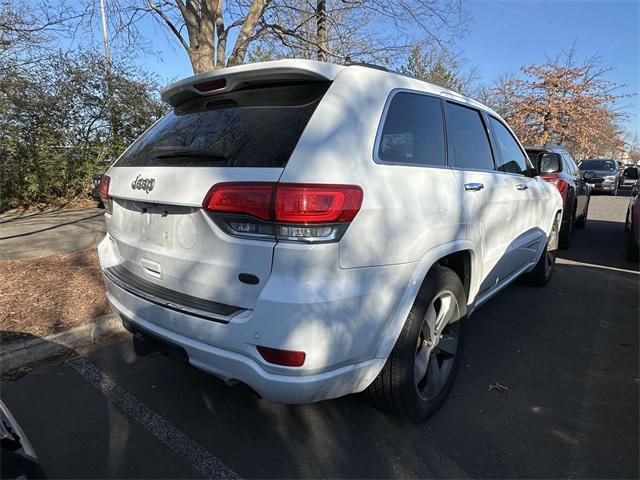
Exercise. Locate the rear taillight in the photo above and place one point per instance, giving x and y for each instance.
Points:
(561, 185)
(244, 198)
(307, 204)
(293, 212)
(288, 358)
(103, 190)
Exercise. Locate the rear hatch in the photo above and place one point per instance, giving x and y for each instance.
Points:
(163, 235)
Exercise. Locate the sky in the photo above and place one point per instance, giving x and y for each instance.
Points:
(503, 36)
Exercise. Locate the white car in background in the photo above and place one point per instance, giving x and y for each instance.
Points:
(314, 230)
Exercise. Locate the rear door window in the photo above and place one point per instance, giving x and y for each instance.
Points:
(413, 132)
(254, 127)
(572, 163)
(469, 145)
(569, 166)
(512, 158)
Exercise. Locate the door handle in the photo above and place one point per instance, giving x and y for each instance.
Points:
(521, 186)
(473, 187)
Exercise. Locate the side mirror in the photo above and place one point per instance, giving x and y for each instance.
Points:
(549, 163)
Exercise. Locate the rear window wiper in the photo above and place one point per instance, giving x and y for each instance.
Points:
(178, 152)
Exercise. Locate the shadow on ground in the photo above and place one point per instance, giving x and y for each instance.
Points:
(568, 354)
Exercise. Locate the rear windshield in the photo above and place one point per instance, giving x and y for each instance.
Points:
(597, 165)
(253, 127)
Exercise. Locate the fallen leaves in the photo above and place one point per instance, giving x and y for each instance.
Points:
(498, 387)
(46, 295)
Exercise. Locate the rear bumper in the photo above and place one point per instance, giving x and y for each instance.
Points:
(338, 320)
(606, 186)
(230, 365)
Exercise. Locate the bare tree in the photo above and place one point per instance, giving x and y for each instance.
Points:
(330, 30)
(321, 29)
(439, 66)
(27, 27)
(357, 30)
(206, 32)
(633, 149)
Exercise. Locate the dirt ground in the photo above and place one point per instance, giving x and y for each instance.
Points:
(78, 202)
(47, 295)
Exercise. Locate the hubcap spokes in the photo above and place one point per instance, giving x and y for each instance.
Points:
(437, 345)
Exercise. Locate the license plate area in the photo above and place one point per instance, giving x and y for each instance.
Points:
(152, 223)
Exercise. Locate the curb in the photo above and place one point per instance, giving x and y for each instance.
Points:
(22, 353)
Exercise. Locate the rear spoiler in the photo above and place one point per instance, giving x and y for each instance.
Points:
(229, 79)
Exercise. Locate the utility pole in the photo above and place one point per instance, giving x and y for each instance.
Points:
(105, 37)
(107, 70)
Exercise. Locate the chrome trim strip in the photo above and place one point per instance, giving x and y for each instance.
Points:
(146, 295)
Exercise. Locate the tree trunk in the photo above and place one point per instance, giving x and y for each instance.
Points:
(321, 29)
(201, 57)
(221, 49)
(244, 36)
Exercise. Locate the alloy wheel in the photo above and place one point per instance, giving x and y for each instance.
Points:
(437, 345)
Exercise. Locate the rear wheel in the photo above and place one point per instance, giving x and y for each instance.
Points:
(582, 221)
(421, 368)
(543, 271)
(566, 233)
(633, 250)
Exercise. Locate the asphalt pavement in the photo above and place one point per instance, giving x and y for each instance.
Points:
(566, 353)
(39, 234)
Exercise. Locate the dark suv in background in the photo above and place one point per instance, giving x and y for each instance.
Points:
(557, 166)
(602, 174)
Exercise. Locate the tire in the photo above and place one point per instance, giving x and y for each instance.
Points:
(543, 271)
(582, 220)
(401, 388)
(633, 250)
(566, 233)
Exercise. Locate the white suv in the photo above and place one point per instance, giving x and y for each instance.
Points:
(314, 230)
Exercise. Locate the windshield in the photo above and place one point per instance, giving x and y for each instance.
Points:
(254, 127)
(598, 165)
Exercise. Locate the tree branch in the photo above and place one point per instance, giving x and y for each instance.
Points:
(168, 21)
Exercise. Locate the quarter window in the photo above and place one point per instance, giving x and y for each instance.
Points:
(469, 145)
(513, 160)
(572, 164)
(413, 132)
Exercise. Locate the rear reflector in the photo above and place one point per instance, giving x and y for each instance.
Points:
(288, 358)
(211, 85)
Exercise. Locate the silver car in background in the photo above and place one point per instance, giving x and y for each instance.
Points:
(602, 175)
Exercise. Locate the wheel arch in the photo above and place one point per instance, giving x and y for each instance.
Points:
(461, 255)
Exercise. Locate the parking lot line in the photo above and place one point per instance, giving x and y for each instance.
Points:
(197, 456)
(601, 267)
